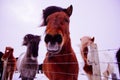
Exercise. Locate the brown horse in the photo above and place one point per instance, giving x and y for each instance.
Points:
(86, 41)
(9, 64)
(60, 62)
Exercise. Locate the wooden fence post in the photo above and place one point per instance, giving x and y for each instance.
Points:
(95, 62)
(4, 70)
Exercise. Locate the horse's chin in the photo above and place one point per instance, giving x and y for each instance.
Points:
(34, 58)
(53, 51)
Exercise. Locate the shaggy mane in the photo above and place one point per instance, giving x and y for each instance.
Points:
(50, 10)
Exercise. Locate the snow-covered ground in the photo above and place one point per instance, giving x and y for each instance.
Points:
(43, 77)
(103, 58)
(81, 76)
(38, 77)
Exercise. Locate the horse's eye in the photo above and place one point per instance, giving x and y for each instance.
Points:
(58, 38)
(47, 38)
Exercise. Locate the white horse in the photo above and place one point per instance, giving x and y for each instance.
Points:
(105, 68)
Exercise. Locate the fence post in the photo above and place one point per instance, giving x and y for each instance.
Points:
(4, 70)
(95, 62)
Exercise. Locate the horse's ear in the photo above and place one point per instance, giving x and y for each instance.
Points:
(92, 39)
(69, 10)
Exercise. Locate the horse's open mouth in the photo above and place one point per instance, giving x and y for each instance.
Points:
(54, 49)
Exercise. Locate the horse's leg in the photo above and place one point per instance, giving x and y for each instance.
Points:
(11, 75)
(105, 74)
(6, 77)
(108, 72)
(1, 74)
(41, 71)
(90, 77)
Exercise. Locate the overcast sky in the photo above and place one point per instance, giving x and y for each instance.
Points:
(98, 18)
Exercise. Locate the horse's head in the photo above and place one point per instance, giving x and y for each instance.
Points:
(8, 53)
(85, 48)
(32, 42)
(57, 31)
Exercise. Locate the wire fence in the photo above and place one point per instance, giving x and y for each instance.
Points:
(82, 74)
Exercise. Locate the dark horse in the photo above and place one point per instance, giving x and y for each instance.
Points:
(60, 62)
(9, 64)
(28, 64)
(118, 59)
(1, 65)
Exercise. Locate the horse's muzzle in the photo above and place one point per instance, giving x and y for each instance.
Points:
(53, 48)
(53, 43)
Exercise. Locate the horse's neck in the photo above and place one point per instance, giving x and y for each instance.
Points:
(83, 52)
(31, 50)
(11, 57)
(83, 46)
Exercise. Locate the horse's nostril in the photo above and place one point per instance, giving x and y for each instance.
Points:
(48, 38)
(53, 39)
(58, 38)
